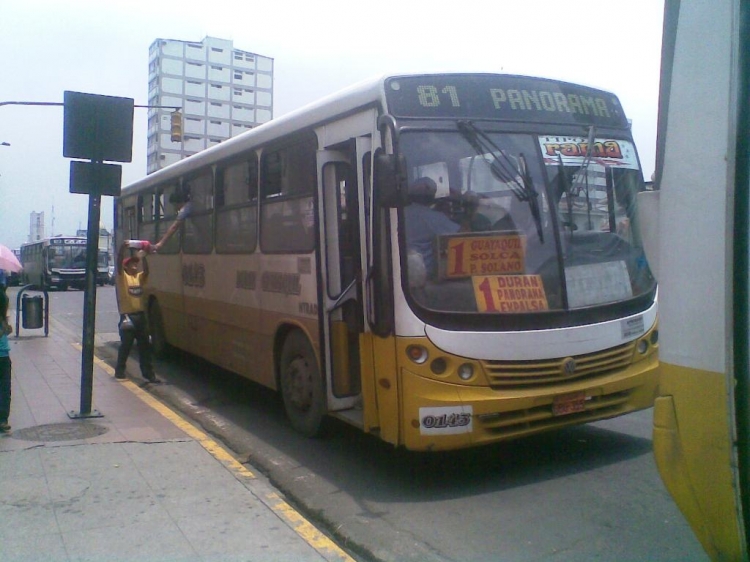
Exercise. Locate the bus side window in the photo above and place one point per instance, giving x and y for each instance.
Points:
(237, 207)
(146, 222)
(198, 228)
(159, 209)
(288, 184)
(168, 213)
(129, 223)
(139, 209)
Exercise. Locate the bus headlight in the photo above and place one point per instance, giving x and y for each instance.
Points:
(465, 371)
(642, 346)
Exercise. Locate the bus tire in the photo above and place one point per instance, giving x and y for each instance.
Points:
(159, 344)
(301, 384)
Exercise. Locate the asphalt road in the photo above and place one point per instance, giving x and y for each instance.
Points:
(580, 494)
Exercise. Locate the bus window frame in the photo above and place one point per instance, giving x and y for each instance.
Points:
(164, 191)
(274, 237)
(197, 237)
(223, 211)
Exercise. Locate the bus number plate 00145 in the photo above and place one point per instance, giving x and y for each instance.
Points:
(569, 403)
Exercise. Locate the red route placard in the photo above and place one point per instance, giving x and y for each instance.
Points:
(510, 293)
(501, 254)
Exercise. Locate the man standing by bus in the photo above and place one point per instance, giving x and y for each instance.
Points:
(130, 282)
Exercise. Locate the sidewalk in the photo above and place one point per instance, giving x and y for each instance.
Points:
(139, 483)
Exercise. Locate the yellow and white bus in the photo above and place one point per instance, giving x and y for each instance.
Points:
(702, 414)
(442, 260)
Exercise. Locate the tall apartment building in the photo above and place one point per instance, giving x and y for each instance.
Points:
(222, 92)
(36, 226)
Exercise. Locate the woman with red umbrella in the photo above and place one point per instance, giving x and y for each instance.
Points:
(8, 260)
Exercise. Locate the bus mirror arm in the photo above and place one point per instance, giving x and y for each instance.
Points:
(390, 176)
(390, 170)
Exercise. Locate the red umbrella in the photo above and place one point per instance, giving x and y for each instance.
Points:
(8, 260)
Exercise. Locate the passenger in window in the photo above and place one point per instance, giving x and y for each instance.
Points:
(184, 207)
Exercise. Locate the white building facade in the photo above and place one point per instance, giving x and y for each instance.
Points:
(36, 226)
(220, 90)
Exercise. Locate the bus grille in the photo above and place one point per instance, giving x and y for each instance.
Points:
(538, 418)
(505, 374)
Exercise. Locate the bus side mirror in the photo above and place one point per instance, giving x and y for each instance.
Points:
(390, 174)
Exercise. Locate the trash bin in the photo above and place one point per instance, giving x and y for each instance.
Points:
(32, 312)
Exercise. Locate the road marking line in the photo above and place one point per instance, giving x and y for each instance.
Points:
(305, 529)
(312, 536)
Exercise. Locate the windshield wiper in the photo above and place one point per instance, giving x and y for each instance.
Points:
(563, 179)
(502, 167)
(533, 197)
(503, 170)
(583, 169)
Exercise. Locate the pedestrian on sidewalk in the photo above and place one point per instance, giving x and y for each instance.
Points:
(5, 364)
(129, 283)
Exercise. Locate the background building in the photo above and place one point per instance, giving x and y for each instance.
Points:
(36, 227)
(222, 92)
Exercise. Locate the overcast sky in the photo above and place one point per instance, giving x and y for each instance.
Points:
(101, 47)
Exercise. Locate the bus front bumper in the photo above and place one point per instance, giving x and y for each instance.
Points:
(444, 416)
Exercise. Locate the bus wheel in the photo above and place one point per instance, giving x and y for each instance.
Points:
(159, 343)
(301, 385)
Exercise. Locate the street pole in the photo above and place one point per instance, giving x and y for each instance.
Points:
(89, 309)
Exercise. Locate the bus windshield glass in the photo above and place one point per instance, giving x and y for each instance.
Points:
(501, 223)
(67, 255)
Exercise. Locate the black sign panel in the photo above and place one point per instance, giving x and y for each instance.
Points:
(98, 127)
(503, 97)
(95, 178)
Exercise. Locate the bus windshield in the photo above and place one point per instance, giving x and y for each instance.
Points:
(67, 256)
(510, 223)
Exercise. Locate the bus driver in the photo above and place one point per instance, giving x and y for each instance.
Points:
(424, 224)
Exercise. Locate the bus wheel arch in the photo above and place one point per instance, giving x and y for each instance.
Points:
(300, 382)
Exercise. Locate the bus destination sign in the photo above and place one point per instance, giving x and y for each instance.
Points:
(504, 97)
(68, 241)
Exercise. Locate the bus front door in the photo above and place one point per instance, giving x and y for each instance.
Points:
(343, 321)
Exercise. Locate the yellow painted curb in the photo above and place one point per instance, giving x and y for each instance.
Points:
(305, 529)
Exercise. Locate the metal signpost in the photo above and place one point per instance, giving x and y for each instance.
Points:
(97, 128)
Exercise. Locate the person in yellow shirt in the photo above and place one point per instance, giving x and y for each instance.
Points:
(130, 282)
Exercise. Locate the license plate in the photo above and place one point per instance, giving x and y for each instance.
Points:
(568, 404)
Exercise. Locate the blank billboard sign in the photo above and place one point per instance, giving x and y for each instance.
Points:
(98, 127)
